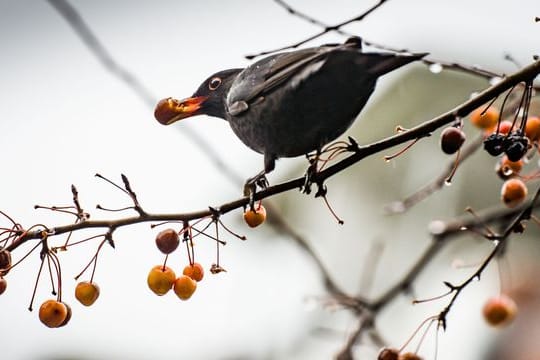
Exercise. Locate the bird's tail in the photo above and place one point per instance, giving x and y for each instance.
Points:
(379, 64)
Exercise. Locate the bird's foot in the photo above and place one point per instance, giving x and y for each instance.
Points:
(310, 174)
(251, 185)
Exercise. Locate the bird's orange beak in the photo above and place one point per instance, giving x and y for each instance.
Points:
(170, 110)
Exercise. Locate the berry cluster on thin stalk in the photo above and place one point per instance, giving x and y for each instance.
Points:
(55, 312)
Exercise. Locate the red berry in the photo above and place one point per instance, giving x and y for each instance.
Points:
(505, 127)
(167, 241)
(451, 140)
(499, 310)
(513, 192)
(255, 217)
(195, 271)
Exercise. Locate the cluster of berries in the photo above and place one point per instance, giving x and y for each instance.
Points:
(511, 139)
(55, 313)
(162, 278)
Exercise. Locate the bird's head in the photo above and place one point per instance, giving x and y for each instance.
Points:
(209, 99)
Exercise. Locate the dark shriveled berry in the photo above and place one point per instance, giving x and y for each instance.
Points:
(516, 147)
(493, 144)
(451, 140)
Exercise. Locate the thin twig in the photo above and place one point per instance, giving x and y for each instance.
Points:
(439, 65)
(134, 83)
(326, 30)
(437, 183)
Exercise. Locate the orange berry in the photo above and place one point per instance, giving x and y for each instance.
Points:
(388, 354)
(68, 315)
(513, 192)
(255, 217)
(506, 168)
(485, 120)
(53, 313)
(161, 279)
(499, 310)
(3, 285)
(532, 128)
(87, 292)
(167, 241)
(184, 287)
(409, 356)
(195, 271)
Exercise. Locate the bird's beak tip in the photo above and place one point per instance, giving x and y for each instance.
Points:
(170, 110)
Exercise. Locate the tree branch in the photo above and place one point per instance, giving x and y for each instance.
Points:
(422, 130)
(326, 30)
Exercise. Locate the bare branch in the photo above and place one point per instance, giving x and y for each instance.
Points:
(437, 183)
(526, 74)
(326, 30)
(435, 65)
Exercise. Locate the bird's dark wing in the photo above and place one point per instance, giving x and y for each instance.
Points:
(264, 75)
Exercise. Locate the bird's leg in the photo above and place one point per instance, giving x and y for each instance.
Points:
(311, 170)
(259, 180)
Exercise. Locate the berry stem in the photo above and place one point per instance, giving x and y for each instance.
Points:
(36, 284)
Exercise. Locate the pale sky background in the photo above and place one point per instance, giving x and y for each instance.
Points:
(63, 118)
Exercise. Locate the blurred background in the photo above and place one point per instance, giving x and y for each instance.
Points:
(64, 117)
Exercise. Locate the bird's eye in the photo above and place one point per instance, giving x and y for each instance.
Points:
(214, 83)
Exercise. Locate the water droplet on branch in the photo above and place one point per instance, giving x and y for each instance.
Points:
(435, 68)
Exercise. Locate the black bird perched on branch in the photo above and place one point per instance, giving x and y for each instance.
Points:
(291, 103)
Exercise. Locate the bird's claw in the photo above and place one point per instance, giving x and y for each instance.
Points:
(250, 187)
(308, 177)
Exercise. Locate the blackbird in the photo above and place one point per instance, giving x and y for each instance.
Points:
(292, 103)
